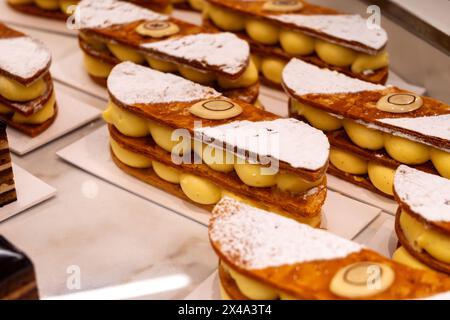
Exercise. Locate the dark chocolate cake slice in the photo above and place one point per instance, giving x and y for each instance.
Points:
(17, 277)
(7, 186)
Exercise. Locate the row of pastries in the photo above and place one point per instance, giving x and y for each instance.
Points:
(263, 176)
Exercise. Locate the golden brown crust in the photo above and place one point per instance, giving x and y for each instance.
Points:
(423, 256)
(362, 106)
(292, 205)
(311, 280)
(31, 130)
(248, 94)
(6, 32)
(379, 76)
(255, 9)
(31, 107)
(177, 115)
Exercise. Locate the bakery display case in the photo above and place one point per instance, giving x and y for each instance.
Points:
(224, 150)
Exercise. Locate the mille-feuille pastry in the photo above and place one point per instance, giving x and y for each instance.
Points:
(228, 147)
(264, 256)
(17, 276)
(372, 128)
(423, 219)
(61, 9)
(114, 31)
(27, 98)
(7, 186)
(279, 30)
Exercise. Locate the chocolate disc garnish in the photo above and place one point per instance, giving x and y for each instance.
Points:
(283, 5)
(362, 279)
(157, 29)
(216, 109)
(400, 102)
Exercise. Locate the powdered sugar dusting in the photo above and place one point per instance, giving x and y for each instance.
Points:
(288, 140)
(132, 84)
(256, 239)
(23, 57)
(223, 50)
(347, 27)
(426, 194)
(433, 126)
(105, 13)
(304, 78)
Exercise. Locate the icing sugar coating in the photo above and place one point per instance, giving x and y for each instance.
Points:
(23, 57)
(433, 126)
(346, 27)
(105, 13)
(256, 239)
(304, 78)
(287, 140)
(132, 84)
(426, 194)
(223, 50)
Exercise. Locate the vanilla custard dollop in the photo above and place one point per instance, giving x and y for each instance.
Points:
(96, 67)
(166, 173)
(129, 158)
(249, 77)
(348, 162)
(406, 151)
(125, 54)
(366, 62)
(441, 161)
(317, 118)
(126, 122)
(202, 77)
(255, 175)
(335, 54)
(225, 19)
(362, 136)
(402, 256)
(381, 177)
(423, 238)
(160, 65)
(15, 91)
(200, 190)
(47, 112)
(297, 43)
(262, 32)
(47, 4)
(272, 69)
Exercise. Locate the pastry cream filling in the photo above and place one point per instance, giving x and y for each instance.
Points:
(225, 19)
(204, 78)
(255, 175)
(362, 136)
(402, 256)
(95, 43)
(97, 68)
(216, 159)
(253, 289)
(406, 151)
(125, 54)
(15, 91)
(423, 238)
(381, 177)
(293, 183)
(272, 69)
(248, 78)
(129, 158)
(317, 118)
(47, 111)
(400, 149)
(5, 110)
(47, 4)
(200, 190)
(441, 161)
(166, 173)
(162, 135)
(366, 62)
(335, 54)
(348, 162)
(262, 32)
(297, 43)
(162, 66)
(126, 122)
(294, 42)
(197, 4)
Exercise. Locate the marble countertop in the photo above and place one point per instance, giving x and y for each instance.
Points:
(93, 235)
